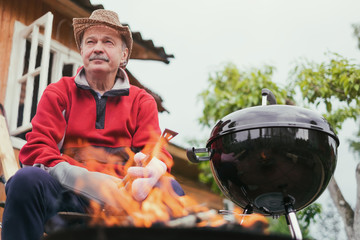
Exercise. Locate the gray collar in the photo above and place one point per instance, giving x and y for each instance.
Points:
(121, 86)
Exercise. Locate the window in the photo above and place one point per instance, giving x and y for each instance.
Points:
(35, 62)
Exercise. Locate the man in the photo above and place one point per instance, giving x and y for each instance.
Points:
(96, 111)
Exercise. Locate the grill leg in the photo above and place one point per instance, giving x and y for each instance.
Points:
(292, 221)
(248, 210)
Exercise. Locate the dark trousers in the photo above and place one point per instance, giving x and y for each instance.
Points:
(33, 197)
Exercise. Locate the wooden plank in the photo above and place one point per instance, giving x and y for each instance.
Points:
(5, 45)
(39, 11)
(29, 13)
(7, 155)
(67, 8)
(202, 196)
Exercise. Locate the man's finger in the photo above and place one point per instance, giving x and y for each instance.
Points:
(138, 172)
(141, 188)
(139, 157)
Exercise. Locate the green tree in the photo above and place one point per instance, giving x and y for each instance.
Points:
(334, 84)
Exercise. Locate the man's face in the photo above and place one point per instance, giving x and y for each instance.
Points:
(102, 50)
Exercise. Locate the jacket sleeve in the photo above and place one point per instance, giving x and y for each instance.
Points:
(93, 185)
(148, 131)
(49, 124)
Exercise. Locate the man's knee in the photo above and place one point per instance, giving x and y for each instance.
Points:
(27, 180)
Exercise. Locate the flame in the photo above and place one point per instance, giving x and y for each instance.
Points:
(162, 205)
(253, 221)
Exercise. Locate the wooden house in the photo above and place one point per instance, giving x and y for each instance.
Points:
(37, 48)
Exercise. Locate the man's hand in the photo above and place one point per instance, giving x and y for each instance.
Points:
(146, 177)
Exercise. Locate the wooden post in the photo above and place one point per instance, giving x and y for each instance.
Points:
(7, 156)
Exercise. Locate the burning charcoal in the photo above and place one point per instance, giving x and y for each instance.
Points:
(187, 221)
(255, 222)
(203, 216)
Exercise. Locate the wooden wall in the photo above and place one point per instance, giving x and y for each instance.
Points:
(26, 12)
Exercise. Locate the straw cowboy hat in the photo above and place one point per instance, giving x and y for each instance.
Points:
(102, 17)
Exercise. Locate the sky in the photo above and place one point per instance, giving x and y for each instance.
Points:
(204, 35)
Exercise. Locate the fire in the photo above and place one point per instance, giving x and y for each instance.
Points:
(253, 221)
(162, 205)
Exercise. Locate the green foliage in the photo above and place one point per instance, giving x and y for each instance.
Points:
(355, 144)
(232, 89)
(334, 84)
(307, 215)
(206, 177)
(278, 225)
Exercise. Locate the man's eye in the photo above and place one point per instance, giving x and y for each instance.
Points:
(89, 41)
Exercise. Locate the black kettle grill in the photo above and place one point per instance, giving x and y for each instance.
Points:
(271, 159)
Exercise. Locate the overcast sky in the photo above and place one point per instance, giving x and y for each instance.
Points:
(205, 34)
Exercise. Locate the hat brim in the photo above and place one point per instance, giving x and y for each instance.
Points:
(81, 24)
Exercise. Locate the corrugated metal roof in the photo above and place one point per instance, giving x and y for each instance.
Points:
(86, 4)
(146, 50)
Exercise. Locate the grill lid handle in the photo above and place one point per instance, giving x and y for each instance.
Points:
(267, 95)
(191, 154)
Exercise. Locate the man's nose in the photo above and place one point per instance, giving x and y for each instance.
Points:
(99, 47)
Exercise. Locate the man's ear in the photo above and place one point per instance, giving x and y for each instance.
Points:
(124, 54)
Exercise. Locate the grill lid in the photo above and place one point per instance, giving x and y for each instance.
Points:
(271, 116)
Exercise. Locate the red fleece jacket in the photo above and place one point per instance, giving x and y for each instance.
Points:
(67, 114)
